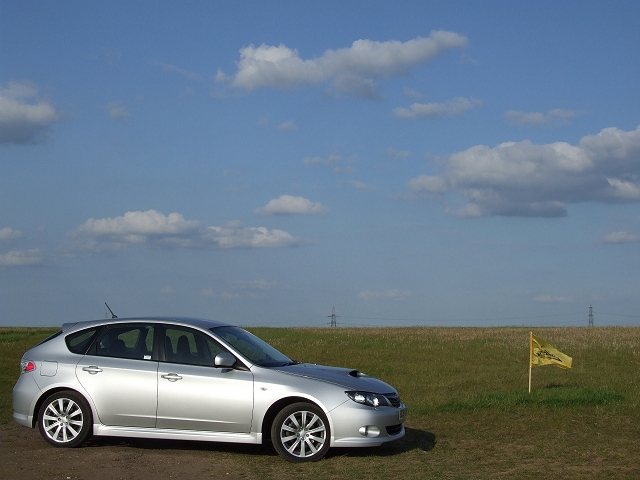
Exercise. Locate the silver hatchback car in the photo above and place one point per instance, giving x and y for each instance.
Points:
(192, 379)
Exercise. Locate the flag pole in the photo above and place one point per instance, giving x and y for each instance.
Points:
(530, 357)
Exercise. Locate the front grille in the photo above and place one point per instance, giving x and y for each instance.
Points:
(394, 429)
(394, 399)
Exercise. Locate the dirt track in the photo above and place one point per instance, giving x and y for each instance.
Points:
(25, 455)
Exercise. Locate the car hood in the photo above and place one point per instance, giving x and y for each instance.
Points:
(344, 377)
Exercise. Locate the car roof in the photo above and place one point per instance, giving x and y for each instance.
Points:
(183, 321)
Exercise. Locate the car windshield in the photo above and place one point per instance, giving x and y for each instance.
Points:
(254, 349)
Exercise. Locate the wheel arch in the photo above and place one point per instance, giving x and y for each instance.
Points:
(274, 409)
(53, 391)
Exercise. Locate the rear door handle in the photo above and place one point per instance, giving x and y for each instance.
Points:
(172, 377)
(92, 369)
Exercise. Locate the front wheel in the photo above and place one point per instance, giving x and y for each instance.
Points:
(300, 433)
(64, 419)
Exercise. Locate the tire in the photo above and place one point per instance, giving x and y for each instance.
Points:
(65, 419)
(300, 433)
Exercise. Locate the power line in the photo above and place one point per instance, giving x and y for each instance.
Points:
(486, 319)
(619, 315)
(464, 321)
(333, 317)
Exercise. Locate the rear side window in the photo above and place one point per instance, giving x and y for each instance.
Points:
(79, 342)
(133, 341)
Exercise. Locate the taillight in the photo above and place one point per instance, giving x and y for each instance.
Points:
(27, 366)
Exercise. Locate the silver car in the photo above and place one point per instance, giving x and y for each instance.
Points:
(192, 379)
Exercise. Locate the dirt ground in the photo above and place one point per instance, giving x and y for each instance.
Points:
(25, 455)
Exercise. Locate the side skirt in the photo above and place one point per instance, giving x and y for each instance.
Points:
(171, 434)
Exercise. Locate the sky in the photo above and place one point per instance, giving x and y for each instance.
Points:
(455, 163)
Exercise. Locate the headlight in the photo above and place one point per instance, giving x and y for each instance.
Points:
(370, 399)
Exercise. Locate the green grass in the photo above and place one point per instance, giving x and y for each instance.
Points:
(13, 343)
(559, 397)
(470, 413)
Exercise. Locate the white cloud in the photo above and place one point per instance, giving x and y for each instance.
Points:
(364, 187)
(397, 154)
(357, 86)
(255, 289)
(117, 111)
(19, 258)
(398, 295)
(138, 224)
(25, 118)
(330, 160)
(621, 237)
(173, 231)
(470, 210)
(534, 119)
(344, 170)
(167, 67)
(458, 106)
(525, 179)
(551, 299)
(340, 166)
(429, 184)
(188, 92)
(9, 235)
(353, 70)
(112, 57)
(211, 293)
(255, 285)
(234, 236)
(290, 205)
(287, 126)
(409, 92)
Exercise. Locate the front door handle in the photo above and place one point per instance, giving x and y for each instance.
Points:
(172, 377)
(92, 369)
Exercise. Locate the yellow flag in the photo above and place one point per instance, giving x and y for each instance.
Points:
(544, 354)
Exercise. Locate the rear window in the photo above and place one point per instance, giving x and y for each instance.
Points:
(79, 342)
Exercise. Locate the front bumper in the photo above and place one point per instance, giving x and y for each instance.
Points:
(356, 425)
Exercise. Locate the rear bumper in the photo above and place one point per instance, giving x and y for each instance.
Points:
(25, 395)
(24, 420)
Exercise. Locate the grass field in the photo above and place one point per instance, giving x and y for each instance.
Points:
(470, 415)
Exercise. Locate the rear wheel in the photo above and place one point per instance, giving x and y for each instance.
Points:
(300, 433)
(64, 419)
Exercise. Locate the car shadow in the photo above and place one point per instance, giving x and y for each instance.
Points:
(414, 439)
(190, 445)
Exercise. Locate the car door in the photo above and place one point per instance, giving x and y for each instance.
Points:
(121, 376)
(193, 394)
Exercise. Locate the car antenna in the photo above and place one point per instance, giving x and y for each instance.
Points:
(113, 315)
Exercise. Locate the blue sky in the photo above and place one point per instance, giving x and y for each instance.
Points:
(410, 163)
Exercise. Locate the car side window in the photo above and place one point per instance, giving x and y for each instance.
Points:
(126, 341)
(186, 346)
(79, 342)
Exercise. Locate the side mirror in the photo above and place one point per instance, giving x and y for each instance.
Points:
(225, 360)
